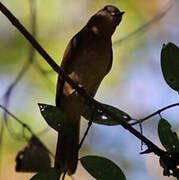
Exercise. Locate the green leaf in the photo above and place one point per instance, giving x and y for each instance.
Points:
(168, 138)
(50, 174)
(102, 168)
(170, 65)
(97, 116)
(56, 119)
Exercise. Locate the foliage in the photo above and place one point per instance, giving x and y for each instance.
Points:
(50, 174)
(170, 65)
(168, 138)
(100, 167)
(97, 116)
(56, 119)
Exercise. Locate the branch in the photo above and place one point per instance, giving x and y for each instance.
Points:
(19, 121)
(89, 100)
(31, 52)
(22, 72)
(45, 74)
(155, 113)
(86, 133)
(25, 126)
(26, 65)
(157, 17)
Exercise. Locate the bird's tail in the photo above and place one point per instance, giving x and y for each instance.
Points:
(66, 157)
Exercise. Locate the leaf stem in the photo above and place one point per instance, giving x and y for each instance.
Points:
(155, 113)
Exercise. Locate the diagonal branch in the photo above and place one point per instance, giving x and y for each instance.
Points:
(81, 91)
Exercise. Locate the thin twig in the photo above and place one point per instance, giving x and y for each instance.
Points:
(45, 74)
(25, 67)
(43, 71)
(86, 132)
(30, 57)
(24, 126)
(64, 174)
(156, 18)
(155, 113)
(19, 121)
(80, 90)
(89, 100)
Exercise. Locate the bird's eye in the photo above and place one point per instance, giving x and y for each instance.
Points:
(105, 8)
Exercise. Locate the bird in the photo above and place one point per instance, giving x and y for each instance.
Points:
(87, 60)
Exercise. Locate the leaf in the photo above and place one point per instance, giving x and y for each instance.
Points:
(168, 138)
(170, 65)
(50, 174)
(97, 116)
(56, 119)
(102, 168)
(31, 157)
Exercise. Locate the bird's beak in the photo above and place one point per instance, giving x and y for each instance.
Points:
(122, 13)
(119, 14)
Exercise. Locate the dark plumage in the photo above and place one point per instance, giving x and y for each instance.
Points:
(87, 59)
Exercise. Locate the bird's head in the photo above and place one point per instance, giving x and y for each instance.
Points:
(106, 20)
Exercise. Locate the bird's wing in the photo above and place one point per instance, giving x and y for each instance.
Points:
(68, 57)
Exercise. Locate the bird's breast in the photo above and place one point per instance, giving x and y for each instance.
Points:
(90, 67)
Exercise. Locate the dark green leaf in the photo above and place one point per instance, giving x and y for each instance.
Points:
(99, 117)
(102, 168)
(56, 119)
(167, 137)
(170, 65)
(50, 174)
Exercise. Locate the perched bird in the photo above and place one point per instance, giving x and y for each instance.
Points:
(87, 60)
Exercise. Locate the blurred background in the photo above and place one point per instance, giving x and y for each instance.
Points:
(134, 85)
